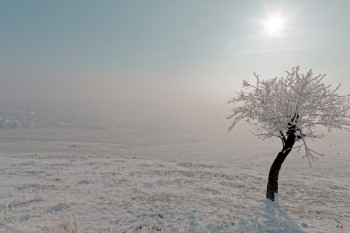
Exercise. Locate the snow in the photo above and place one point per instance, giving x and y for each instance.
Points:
(88, 181)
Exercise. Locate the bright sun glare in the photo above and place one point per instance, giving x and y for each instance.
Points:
(274, 26)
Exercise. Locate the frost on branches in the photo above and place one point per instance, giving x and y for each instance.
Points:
(270, 105)
(299, 104)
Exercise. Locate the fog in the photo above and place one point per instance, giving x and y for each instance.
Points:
(168, 65)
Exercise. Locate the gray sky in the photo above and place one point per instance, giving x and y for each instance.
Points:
(163, 52)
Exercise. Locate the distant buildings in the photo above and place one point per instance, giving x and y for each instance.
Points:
(18, 123)
(49, 114)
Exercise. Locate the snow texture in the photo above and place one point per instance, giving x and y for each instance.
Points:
(67, 183)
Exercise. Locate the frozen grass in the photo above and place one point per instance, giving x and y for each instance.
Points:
(53, 186)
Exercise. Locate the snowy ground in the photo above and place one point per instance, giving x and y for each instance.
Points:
(88, 181)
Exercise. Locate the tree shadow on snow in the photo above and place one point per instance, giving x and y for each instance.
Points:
(277, 220)
(271, 219)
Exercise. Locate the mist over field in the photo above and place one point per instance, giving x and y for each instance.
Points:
(113, 116)
(81, 167)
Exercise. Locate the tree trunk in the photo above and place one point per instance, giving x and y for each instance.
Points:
(272, 184)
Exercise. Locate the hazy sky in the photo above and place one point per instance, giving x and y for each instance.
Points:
(162, 51)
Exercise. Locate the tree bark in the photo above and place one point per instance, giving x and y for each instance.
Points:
(272, 184)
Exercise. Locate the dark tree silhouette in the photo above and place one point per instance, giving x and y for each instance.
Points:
(292, 109)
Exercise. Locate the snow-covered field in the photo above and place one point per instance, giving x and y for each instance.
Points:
(55, 180)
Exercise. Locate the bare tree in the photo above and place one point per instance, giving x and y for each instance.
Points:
(293, 109)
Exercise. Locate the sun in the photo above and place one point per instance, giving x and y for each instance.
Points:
(273, 26)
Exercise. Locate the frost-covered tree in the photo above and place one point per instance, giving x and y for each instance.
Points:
(294, 108)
